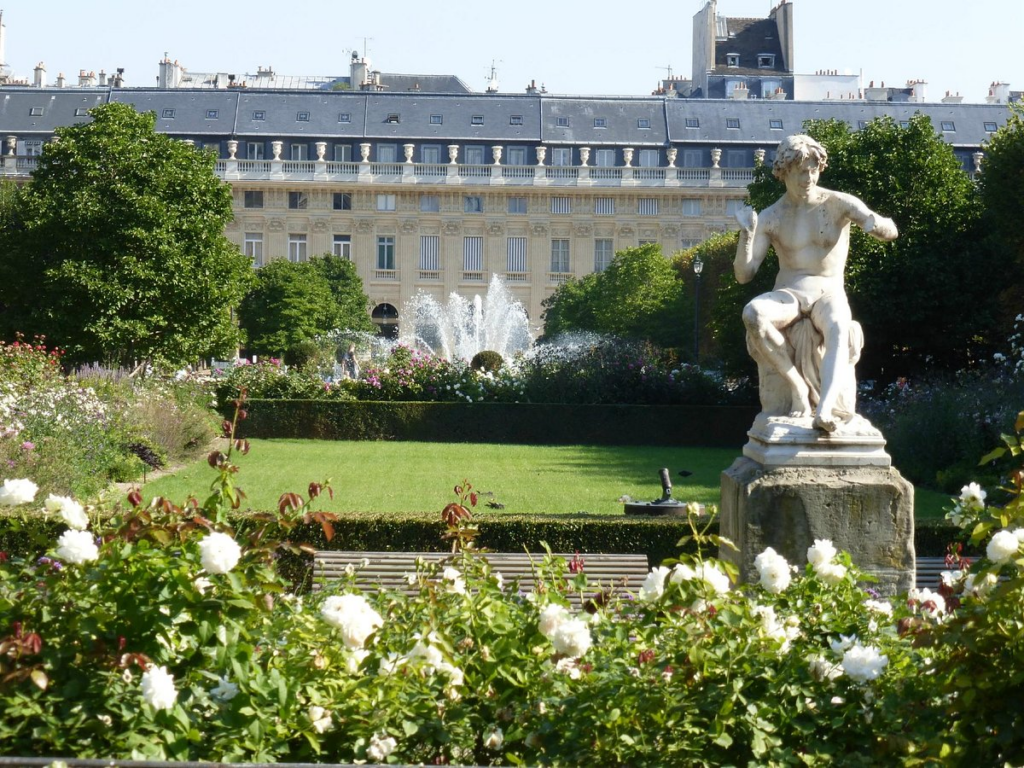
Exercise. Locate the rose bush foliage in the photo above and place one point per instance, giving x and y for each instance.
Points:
(180, 640)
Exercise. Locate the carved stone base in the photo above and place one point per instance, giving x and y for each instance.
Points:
(781, 441)
(867, 511)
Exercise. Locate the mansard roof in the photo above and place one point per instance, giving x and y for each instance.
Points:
(749, 38)
(460, 118)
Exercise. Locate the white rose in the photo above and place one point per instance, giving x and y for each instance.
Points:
(973, 495)
(831, 573)
(713, 577)
(319, 718)
(822, 552)
(682, 572)
(932, 604)
(864, 663)
(77, 547)
(70, 510)
(552, 615)
(774, 571)
(15, 492)
(883, 607)
(224, 690)
(821, 669)
(380, 747)
(1002, 547)
(654, 585)
(455, 583)
(354, 616)
(494, 738)
(980, 587)
(572, 638)
(158, 688)
(219, 552)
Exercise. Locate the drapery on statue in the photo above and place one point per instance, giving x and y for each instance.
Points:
(801, 332)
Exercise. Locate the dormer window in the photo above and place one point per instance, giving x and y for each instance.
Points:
(600, 122)
(643, 122)
(35, 111)
(515, 120)
(212, 114)
(344, 117)
(83, 112)
(947, 125)
(259, 114)
(476, 120)
(732, 59)
(693, 122)
(991, 127)
(562, 122)
(167, 113)
(302, 117)
(732, 123)
(766, 61)
(393, 118)
(436, 119)
(774, 125)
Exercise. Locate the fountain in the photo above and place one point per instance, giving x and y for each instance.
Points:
(462, 327)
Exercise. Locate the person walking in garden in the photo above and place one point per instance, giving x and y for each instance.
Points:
(809, 227)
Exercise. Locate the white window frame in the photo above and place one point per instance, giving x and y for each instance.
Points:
(692, 207)
(430, 203)
(386, 202)
(343, 153)
(517, 205)
(561, 156)
(647, 206)
(430, 253)
(515, 156)
(561, 205)
(299, 152)
(297, 245)
(387, 153)
(604, 158)
(604, 252)
(256, 195)
(341, 246)
(560, 255)
(334, 198)
(472, 204)
(474, 155)
(254, 150)
(517, 255)
(386, 252)
(472, 253)
(430, 154)
(604, 206)
(649, 158)
(252, 246)
(301, 200)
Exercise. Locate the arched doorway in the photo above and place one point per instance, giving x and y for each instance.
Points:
(385, 317)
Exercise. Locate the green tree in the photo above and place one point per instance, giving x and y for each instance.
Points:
(637, 296)
(924, 300)
(1002, 191)
(293, 303)
(351, 304)
(119, 251)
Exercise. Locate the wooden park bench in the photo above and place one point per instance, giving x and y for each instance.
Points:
(389, 570)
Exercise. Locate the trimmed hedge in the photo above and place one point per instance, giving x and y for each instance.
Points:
(518, 423)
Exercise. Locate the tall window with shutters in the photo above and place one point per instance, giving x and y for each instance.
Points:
(516, 258)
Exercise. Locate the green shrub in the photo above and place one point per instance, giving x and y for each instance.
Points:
(487, 360)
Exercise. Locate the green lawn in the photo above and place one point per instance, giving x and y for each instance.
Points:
(414, 477)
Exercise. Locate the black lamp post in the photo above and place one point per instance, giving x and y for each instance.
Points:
(698, 266)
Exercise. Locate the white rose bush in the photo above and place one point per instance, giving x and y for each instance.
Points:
(170, 632)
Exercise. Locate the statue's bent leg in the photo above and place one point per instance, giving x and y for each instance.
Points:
(763, 317)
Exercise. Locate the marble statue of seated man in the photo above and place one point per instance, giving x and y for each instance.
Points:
(801, 333)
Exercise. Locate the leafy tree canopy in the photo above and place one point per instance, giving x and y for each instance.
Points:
(292, 303)
(637, 296)
(925, 300)
(1002, 190)
(118, 251)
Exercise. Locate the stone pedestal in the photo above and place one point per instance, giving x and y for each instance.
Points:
(866, 510)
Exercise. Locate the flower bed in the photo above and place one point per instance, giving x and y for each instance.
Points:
(165, 633)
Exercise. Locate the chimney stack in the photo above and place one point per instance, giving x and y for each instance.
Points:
(39, 75)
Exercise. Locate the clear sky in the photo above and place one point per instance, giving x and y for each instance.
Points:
(598, 47)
